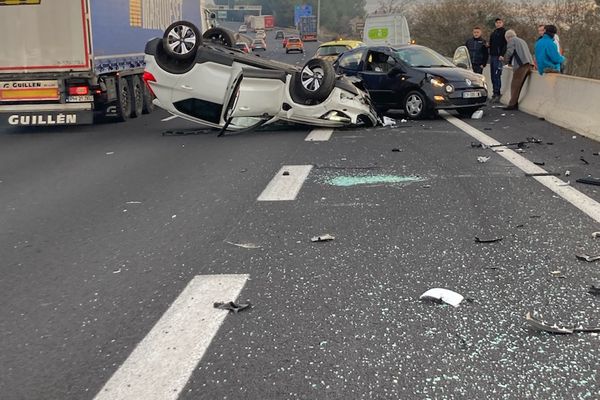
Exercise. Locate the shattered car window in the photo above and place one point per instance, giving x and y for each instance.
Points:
(422, 57)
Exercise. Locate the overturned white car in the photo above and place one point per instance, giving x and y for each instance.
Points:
(214, 84)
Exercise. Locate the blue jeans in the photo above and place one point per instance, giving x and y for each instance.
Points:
(496, 71)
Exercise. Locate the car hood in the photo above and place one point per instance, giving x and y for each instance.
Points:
(454, 74)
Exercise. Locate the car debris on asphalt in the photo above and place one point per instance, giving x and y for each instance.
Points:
(583, 160)
(538, 323)
(443, 295)
(589, 181)
(596, 235)
(531, 174)
(323, 238)
(477, 114)
(595, 290)
(488, 240)
(483, 159)
(587, 257)
(249, 246)
(232, 307)
(540, 163)
(387, 121)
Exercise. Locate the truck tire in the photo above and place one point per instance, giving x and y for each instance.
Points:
(221, 36)
(123, 100)
(148, 104)
(137, 95)
(181, 40)
(315, 81)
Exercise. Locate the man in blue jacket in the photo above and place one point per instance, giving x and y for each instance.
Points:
(546, 53)
(478, 51)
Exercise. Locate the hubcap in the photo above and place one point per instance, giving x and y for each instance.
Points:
(312, 79)
(414, 105)
(181, 39)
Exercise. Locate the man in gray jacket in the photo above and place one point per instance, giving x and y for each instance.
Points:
(517, 53)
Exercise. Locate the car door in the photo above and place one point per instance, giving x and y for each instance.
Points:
(257, 93)
(462, 59)
(350, 63)
(381, 79)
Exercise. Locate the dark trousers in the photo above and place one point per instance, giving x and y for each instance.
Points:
(478, 69)
(518, 79)
(496, 72)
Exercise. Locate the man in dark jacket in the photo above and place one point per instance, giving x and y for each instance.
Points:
(497, 50)
(478, 51)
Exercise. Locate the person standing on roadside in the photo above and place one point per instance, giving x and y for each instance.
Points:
(518, 54)
(497, 48)
(547, 57)
(478, 52)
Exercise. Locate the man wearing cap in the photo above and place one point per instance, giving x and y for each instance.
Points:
(519, 56)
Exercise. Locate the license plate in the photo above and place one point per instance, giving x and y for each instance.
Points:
(471, 95)
(80, 99)
(29, 90)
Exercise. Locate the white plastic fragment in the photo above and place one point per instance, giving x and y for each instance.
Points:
(567, 183)
(477, 114)
(483, 159)
(249, 246)
(596, 235)
(567, 173)
(445, 295)
(404, 121)
(389, 121)
(323, 238)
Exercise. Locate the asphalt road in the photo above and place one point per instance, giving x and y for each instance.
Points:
(102, 227)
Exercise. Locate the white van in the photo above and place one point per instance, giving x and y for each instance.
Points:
(386, 30)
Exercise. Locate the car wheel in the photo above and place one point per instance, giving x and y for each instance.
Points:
(315, 81)
(123, 100)
(181, 40)
(467, 111)
(415, 105)
(137, 95)
(220, 36)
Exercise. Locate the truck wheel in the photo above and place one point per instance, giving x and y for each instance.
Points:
(124, 100)
(148, 104)
(181, 40)
(315, 81)
(220, 36)
(137, 95)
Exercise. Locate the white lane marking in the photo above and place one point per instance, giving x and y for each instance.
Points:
(162, 363)
(584, 203)
(286, 185)
(169, 118)
(319, 135)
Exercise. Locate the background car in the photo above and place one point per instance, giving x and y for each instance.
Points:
(415, 79)
(260, 34)
(279, 35)
(243, 29)
(294, 44)
(331, 50)
(258, 44)
(243, 46)
(287, 37)
(205, 80)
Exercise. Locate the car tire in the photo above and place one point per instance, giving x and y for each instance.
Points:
(315, 81)
(123, 100)
(181, 40)
(137, 95)
(148, 98)
(415, 105)
(221, 36)
(467, 111)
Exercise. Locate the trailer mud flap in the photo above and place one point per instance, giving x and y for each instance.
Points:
(45, 118)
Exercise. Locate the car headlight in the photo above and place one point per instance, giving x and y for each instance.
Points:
(337, 116)
(437, 82)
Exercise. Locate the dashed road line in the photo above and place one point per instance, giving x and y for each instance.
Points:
(169, 118)
(162, 363)
(286, 184)
(319, 135)
(584, 203)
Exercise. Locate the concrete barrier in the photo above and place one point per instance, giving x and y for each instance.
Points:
(567, 101)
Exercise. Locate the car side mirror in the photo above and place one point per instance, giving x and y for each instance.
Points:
(395, 71)
(462, 65)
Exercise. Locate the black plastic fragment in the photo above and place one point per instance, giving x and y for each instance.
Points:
(595, 290)
(589, 181)
(539, 163)
(488, 240)
(543, 174)
(583, 160)
(231, 306)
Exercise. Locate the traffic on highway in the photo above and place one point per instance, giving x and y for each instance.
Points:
(213, 209)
